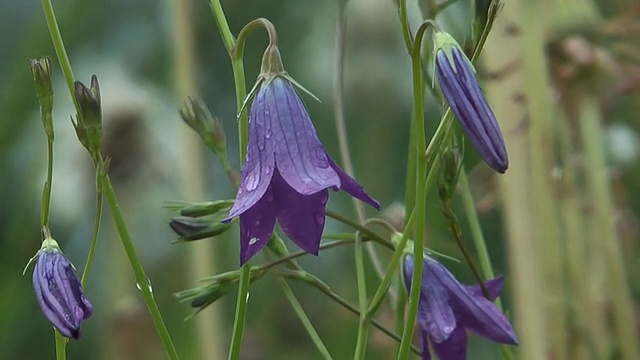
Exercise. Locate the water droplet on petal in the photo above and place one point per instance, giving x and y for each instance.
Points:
(251, 182)
(253, 240)
(268, 134)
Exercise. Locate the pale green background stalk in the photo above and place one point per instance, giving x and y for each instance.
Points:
(201, 257)
(502, 50)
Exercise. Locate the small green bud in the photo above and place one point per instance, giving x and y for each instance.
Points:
(196, 114)
(189, 228)
(89, 120)
(41, 70)
(199, 209)
(450, 165)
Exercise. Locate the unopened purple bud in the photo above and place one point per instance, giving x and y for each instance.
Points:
(59, 292)
(462, 91)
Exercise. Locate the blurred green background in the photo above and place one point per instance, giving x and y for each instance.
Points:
(128, 44)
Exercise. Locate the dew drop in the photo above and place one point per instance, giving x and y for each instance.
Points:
(149, 284)
(253, 240)
(252, 182)
(268, 134)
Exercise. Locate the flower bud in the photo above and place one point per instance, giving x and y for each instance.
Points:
(462, 91)
(89, 120)
(196, 114)
(41, 70)
(199, 209)
(58, 290)
(190, 228)
(450, 163)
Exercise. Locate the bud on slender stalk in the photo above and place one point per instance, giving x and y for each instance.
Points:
(196, 114)
(190, 228)
(89, 120)
(41, 70)
(58, 290)
(462, 91)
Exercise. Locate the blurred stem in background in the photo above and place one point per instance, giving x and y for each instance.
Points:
(208, 339)
(542, 162)
(503, 51)
(607, 244)
(553, 239)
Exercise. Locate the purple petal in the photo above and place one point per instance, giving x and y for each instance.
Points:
(59, 293)
(349, 185)
(256, 226)
(454, 348)
(494, 286)
(260, 160)
(462, 91)
(426, 355)
(472, 311)
(435, 315)
(301, 216)
(300, 157)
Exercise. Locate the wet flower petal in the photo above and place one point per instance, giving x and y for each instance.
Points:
(351, 187)
(256, 226)
(301, 216)
(300, 156)
(287, 172)
(448, 307)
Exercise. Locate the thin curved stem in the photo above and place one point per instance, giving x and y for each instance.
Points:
(297, 307)
(421, 195)
(96, 229)
(141, 277)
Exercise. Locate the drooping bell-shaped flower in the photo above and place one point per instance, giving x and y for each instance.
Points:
(447, 309)
(58, 290)
(287, 172)
(460, 88)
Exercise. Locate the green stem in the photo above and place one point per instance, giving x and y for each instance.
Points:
(61, 344)
(241, 312)
(374, 236)
(58, 45)
(235, 52)
(454, 227)
(342, 302)
(421, 195)
(476, 230)
(96, 229)
(46, 193)
(141, 278)
(297, 307)
(363, 326)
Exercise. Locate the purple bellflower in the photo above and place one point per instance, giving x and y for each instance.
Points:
(460, 88)
(448, 308)
(58, 291)
(287, 172)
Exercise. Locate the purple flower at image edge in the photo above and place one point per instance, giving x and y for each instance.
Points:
(447, 309)
(461, 90)
(286, 174)
(59, 292)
